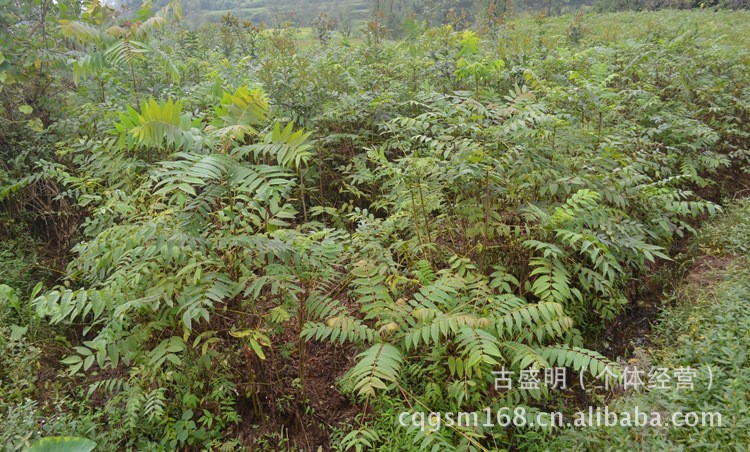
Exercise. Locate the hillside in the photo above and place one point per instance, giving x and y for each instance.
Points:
(270, 11)
(303, 12)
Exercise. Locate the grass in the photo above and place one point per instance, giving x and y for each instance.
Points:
(524, 32)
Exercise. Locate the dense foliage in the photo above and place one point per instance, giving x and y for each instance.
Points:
(232, 228)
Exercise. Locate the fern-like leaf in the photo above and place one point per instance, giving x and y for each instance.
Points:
(379, 364)
(578, 358)
(285, 146)
(239, 113)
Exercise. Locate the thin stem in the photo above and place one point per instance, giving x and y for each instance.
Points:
(415, 219)
(426, 220)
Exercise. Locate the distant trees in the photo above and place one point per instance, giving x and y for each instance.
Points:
(393, 13)
(344, 19)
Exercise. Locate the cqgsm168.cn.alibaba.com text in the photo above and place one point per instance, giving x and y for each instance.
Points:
(593, 417)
